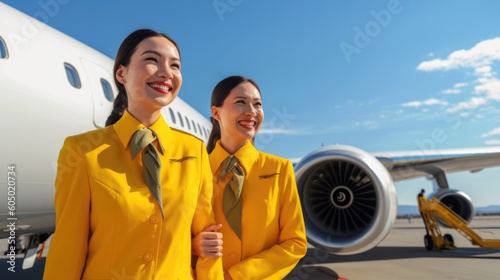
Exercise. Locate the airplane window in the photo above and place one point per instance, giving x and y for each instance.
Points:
(199, 129)
(3, 49)
(108, 92)
(194, 126)
(205, 131)
(172, 115)
(180, 119)
(72, 74)
(187, 121)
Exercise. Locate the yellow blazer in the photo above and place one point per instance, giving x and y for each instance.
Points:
(273, 232)
(109, 226)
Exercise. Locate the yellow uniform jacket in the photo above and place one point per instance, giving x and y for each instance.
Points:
(273, 232)
(109, 226)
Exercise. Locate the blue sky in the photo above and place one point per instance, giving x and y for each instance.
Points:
(379, 75)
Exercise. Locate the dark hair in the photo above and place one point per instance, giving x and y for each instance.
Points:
(219, 94)
(125, 52)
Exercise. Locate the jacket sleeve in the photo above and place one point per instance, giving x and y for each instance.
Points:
(206, 268)
(68, 248)
(277, 261)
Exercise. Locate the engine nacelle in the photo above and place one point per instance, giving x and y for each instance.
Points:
(457, 201)
(348, 199)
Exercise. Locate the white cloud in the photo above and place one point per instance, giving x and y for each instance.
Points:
(428, 102)
(482, 54)
(492, 142)
(481, 58)
(495, 131)
(451, 91)
(490, 87)
(466, 105)
(456, 89)
(415, 104)
(484, 71)
(460, 85)
(464, 114)
(277, 131)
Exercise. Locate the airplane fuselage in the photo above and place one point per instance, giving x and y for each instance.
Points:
(52, 86)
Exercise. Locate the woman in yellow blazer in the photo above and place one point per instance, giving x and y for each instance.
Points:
(109, 224)
(269, 236)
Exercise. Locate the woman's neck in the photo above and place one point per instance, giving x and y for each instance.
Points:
(232, 145)
(147, 118)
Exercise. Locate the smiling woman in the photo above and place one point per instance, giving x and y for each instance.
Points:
(253, 192)
(113, 196)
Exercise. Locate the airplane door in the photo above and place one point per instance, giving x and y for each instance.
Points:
(103, 90)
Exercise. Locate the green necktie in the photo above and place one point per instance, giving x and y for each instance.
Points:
(231, 202)
(143, 140)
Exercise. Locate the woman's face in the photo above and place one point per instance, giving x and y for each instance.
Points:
(153, 77)
(240, 116)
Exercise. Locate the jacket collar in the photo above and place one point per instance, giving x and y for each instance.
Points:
(247, 155)
(127, 125)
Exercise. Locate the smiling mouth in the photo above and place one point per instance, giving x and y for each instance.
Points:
(163, 88)
(248, 124)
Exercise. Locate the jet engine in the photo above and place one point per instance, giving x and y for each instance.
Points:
(348, 199)
(457, 201)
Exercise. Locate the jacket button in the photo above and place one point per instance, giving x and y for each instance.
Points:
(148, 257)
(153, 219)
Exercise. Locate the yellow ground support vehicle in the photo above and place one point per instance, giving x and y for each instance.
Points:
(433, 209)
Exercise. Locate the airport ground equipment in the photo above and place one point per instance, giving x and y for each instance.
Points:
(433, 209)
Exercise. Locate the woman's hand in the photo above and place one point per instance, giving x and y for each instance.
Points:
(208, 243)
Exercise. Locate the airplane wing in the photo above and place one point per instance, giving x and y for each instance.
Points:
(413, 164)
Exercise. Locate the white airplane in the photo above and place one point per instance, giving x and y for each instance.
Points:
(52, 86)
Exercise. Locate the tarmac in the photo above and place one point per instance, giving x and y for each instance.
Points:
(401, 255)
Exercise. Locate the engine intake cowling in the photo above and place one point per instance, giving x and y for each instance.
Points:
(457, 201)
(348, 199)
